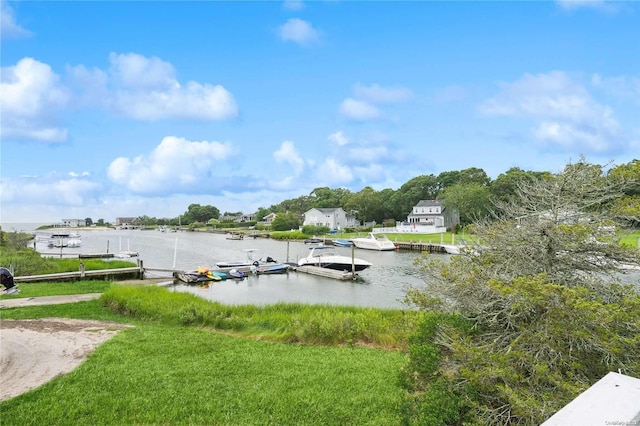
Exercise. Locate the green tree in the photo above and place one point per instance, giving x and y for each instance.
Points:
(505, 186)
(472, 201)
(88, 221)
(424, 187)
(198, 213)
(549, 315)
(286, 221)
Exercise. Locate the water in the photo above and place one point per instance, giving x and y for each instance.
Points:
(383, 285)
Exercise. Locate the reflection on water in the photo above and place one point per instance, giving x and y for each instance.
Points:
(383, 285)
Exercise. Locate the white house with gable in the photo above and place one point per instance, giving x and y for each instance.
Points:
(426, 217)
(334, 218)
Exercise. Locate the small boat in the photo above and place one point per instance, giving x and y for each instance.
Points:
(74, 242)
(200, 275)
(235, 236)
(277, 268)
(314, 240)
(341, 242)
(249, 264)
(373, 241)
(327, 257)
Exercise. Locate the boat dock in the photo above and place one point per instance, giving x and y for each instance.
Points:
(326, 272)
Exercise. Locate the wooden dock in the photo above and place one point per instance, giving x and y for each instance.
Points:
(326, 272)
(101, 274)
(420, 246)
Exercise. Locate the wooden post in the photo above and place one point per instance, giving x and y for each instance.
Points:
(82, 270)
(353, 261)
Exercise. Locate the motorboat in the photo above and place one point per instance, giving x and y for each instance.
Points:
(341, 242)
(373, 241)
(328, 257)
(251, 264)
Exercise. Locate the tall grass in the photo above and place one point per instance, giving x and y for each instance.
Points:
(297, 323)
(30, 262)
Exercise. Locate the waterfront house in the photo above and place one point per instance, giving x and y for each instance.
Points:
(73, 223)
(128, 222)
(334, 218)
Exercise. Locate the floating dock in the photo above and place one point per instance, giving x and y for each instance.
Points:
(326, 272)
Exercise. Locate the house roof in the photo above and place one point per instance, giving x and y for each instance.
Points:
(611, 400)
(325, 209)
(428, 203)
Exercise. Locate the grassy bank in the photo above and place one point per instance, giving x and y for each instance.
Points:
(165, 372)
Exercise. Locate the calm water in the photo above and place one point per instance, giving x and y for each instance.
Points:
(383, 285)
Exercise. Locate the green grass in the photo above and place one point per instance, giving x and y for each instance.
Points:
(162, 373)
(630, 239)
(59, 288)
(286, 322)
(156, 374)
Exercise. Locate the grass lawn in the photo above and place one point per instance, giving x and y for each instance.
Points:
(162, 373)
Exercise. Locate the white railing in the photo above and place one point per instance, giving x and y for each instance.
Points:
(411, 229)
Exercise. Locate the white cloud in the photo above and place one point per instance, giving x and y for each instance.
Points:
(146, 89)
(298, 31)
(177, 164)
(331, 172)
(623, 87)
(590, 4)
(353, 109)
(31, 96)
(52, 190)
(288, 154)
(9, 28)
(377, 94)
(293, 5)
(338, 138)
(567, 116)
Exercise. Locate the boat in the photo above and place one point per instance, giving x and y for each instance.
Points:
(200, 275)
(276, 268)
(328, 257)
(314, 240)
(74, 242)
(373, 241)
(235, 236)
(250, 264)
(341, 242)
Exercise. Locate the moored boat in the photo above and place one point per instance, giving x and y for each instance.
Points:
(328, 257)
(373, 241)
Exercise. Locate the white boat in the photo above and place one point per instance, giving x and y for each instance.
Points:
(74, 242)
(251, 264)
(328, 257)
(374, 242)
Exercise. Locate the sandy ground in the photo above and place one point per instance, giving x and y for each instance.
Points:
(32, 352)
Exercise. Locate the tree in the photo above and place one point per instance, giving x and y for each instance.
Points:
(471, 200)
(504, 187)
(198, 213)
(286, 221)
(627, 208)
(88, 221)
(549, 315)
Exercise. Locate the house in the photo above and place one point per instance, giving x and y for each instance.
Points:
(73, 223)
(242, 217)
(128, 222)
(269, 218)
(433, 213)
(334, 218)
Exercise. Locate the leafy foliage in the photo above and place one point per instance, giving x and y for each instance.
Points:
(542, 290)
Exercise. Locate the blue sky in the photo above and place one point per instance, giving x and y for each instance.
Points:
(142, 108)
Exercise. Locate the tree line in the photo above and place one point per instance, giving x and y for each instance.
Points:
(470, 191)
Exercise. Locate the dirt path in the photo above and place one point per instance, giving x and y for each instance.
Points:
(32, 352)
